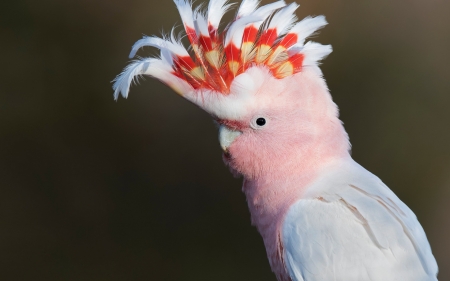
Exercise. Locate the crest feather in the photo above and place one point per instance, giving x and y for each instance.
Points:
(135, 69)
(307, 27)
(170, 44)
(185, 10)
(247, 7)
(216, 10)
(284, 19)
(216, 58)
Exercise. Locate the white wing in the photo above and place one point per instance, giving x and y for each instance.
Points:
(352, 227)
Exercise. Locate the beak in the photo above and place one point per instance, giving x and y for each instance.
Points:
(227, 136)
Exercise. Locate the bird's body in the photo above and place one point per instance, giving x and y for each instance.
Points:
(350, 226)
(344, 224)
(322, 216)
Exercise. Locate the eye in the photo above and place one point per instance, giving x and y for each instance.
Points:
(260, 121)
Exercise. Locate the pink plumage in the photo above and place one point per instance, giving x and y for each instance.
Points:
(321, 215)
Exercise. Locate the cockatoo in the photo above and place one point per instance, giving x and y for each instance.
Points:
(321, 215)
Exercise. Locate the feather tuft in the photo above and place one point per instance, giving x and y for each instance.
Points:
(247, 7)
(268, 36)
(283, 20)
(216, 10)
(307, 27)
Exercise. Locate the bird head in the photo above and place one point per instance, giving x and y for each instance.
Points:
(257, 78)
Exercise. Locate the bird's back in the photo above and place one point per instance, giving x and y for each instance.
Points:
(349, 226)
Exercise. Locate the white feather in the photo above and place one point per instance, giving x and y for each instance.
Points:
(148, 66)
(350, 226)
(135, 69)
(185, 9)
(242, 95)
(166, 56)
(248, 14)
(313, 52)
(201, 25)
(247, 7)
(216, 10)
(171, 44)
(266, 10)
(284, 19)
(236, 30)
(256, 18)
(306, 27)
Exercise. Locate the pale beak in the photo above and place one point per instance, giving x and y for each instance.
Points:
(227, 136)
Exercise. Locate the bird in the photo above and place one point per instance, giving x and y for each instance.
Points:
(321, 215)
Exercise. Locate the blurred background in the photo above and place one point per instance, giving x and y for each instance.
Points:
(93, 189)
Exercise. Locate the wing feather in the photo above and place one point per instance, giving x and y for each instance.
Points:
(350, 226)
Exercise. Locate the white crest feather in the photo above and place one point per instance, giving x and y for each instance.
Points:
(171, 44)
(306, 27)
(135, 69)
(201, 25)
(185, 9)
(148, 66)
(284, 19)
(266, 10)
(216, 10)
(313, 52)
(247, 7)
(236, 30)
(218, 62)
(166, 56)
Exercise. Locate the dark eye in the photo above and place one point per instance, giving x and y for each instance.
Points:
(260, 121)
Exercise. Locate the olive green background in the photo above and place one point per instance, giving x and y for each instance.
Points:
(93, 189)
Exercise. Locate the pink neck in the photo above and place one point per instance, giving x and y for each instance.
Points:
(269, 199)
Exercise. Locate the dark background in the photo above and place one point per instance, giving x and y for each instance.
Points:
(93, 189)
